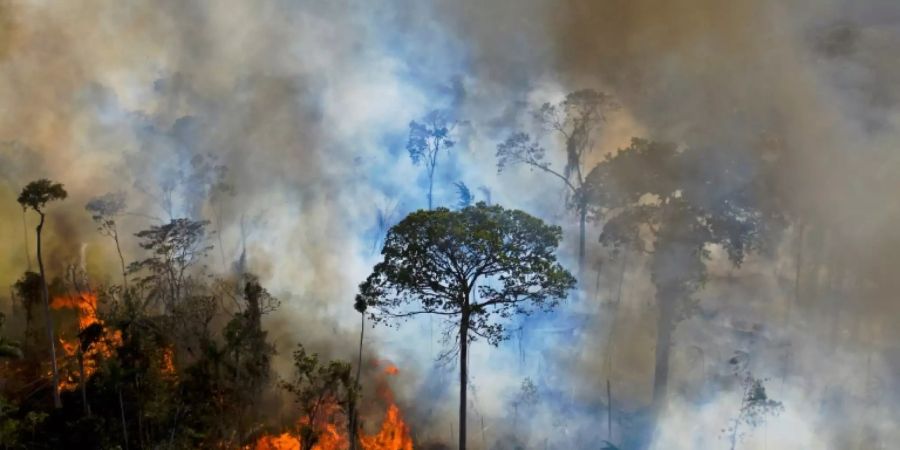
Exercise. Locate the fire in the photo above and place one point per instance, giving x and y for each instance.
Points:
(284, 441)
(393, 435)
(329, 439)
(86, 305)
(167, 366)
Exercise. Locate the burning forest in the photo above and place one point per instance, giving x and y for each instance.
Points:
(430, 225)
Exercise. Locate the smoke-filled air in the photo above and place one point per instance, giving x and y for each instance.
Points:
(435, 225)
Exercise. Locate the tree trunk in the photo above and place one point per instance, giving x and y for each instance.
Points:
(431, 181)
(354, 414)
(25, 233)
(609, 401)
(122, 415)
(121, 259)
(57, 402)
(664, 325)
(82, 382)
(582, 225)
(463, 376)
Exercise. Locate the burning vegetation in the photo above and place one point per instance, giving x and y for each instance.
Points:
(331, 433)
(577, 225)
(93, 342)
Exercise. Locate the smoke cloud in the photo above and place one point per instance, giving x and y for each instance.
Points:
(307, 104)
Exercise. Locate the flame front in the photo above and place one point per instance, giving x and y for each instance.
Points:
(393, 435)
(284, 441)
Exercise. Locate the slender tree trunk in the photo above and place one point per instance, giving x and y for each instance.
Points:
(431, 181)
(57, 402)
(609, 401)
(664, 325)
(25, 233)
(734, 435)
(463, 375)
(219, 237)
(582, 225)
(122, 415)
(82, 382)
(354, 414)
(121, 259)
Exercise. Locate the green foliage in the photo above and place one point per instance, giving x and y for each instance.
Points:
(38, 193)
(435, 261)
(323, 392)
(8, 348)
(16, 430)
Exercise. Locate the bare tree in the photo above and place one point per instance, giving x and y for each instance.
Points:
(575, 119)
(426, 140)
(174, 248)
(105, 210)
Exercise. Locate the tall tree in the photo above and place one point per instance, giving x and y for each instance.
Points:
(476, 268)
(674, 204)
(105, 210)
(360, 306)
(174, 248)
(426, 140)
(36, 195)
(575, 119)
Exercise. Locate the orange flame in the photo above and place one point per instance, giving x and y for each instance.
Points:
(86, 305)
(284, 441)
(167, 365)
(393, 435)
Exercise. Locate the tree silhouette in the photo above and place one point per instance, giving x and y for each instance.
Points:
(575, 119)
(360, 306)
(426, 140)
(105, 210)
(174, 248)
(756, 407)
(36, 195)
(673, 204)
(476, 268)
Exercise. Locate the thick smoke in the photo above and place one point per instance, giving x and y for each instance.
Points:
(307, 104)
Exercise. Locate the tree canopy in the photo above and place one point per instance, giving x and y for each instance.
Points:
(38, 193)
(435, 261)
